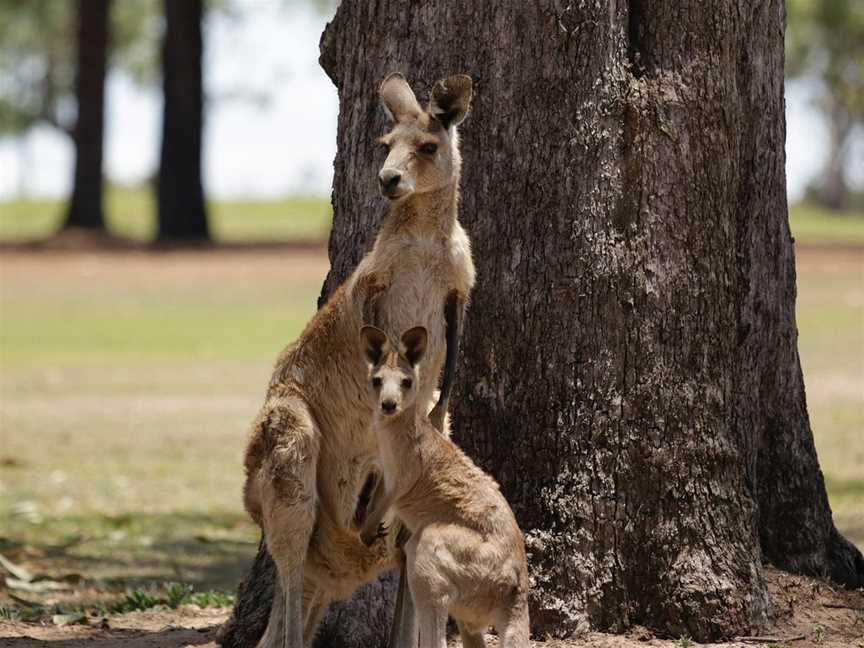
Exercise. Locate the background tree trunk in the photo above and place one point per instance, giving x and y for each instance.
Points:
(629, 369)
(85, 207)
(831, 189)
(182, 214)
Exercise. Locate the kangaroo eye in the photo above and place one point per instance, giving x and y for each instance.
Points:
(406, 383)
(376, 381)
(428, 149)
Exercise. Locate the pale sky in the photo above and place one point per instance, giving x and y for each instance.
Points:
(285, 146)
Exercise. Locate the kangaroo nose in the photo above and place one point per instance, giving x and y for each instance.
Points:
(388, 406)
(389, 180)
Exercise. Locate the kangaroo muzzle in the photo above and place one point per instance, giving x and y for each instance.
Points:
(389, 180)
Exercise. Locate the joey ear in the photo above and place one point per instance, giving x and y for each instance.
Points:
(414, 340)
(398, 98)
(374, 340)
(451, 99)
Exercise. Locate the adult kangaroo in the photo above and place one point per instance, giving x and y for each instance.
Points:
(312, 448)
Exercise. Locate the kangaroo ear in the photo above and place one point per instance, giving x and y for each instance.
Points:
(398, 98)
(414, 340)
(451, 99)
(374, 340)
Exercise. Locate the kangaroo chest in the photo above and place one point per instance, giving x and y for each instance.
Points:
(418, 286)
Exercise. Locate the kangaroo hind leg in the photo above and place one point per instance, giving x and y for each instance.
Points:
(429, 602)
(403, 632)
(513, 627)
(288, 499)
(471, 637)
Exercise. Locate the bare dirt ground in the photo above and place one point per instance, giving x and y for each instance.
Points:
(807, 613)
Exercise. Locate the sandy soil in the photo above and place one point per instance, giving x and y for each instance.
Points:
(807, 613)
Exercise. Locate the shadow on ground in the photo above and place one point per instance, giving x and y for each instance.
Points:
(96, 561)
(169, 636)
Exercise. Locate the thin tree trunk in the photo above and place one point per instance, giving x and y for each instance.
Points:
(629, 369)
(182, 213)
(833, 191)
(85, 207)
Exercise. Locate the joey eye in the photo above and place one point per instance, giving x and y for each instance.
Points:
(429, 149)
(376, 381)
(406, 383)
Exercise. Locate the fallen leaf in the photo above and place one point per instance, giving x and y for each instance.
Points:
(68, 619)
(37, 586)
(16, 570)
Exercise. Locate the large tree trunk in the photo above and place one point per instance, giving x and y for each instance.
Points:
(629, 369)
(85, 207)
(182, 214)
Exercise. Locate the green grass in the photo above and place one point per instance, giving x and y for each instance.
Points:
(157, 596)
(812, 224)
(830, 316)
(149, 327)
(130, 213)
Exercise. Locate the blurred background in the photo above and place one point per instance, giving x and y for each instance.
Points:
(129, 371)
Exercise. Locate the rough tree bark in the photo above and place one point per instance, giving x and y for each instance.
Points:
(85, 207)
(629, 369)
(182, 214)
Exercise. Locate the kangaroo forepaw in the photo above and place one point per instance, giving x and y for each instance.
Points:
(369, 537)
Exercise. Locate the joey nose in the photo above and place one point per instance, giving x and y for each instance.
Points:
(388, 406)
(389, 181)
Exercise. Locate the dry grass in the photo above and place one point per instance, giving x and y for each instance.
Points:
(831, 343)
(127, 387)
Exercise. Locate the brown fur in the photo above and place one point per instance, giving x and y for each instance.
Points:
(466, 554)
(311, 448)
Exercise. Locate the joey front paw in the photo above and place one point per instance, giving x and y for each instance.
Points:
(369, 537)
